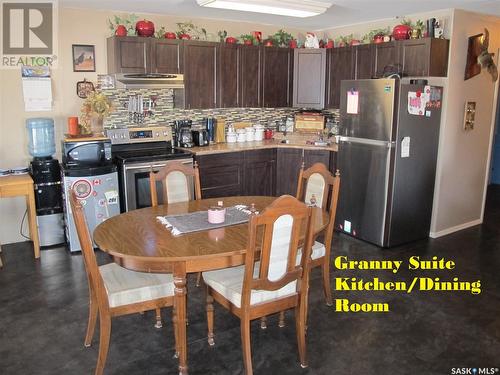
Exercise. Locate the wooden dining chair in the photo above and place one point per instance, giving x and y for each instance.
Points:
(174, 178)
(318, 186)
(175, 182)
(275, 282)
(115, 291)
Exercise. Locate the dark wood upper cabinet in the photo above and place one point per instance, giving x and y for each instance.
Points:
(166, 56)
(200, 62)
(339, 66)
(132, 54)
(129, 54)
(424, 57)
(309, 69)
(228, 73)
(365, 61)
(250, 76)
(386, 54)
(277, 65)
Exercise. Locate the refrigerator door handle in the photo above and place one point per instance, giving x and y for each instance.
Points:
(366, 141)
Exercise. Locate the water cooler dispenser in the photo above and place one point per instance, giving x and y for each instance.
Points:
(46, 175)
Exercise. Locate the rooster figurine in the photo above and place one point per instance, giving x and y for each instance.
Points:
(485, 59)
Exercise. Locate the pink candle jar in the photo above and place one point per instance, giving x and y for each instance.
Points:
(216, 215)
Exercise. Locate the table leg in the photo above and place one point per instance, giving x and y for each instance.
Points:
(180, 312)
(30, 203)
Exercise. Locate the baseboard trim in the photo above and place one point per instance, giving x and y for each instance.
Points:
(456, 228)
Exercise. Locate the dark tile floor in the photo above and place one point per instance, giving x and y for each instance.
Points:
(43, 314)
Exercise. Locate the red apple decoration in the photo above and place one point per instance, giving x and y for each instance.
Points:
(341, 44)
(268, 43)
(292, 43)
(355, 42)
(247, 42)
(329, 44)
(231, 40)
(378, 39)
(145, 28)
(401, 32)
(170, 35)
(184, 36)
(121, 30)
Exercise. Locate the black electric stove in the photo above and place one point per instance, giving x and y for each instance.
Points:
(146, 152)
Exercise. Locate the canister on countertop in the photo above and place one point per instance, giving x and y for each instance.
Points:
(250, 134)
(210, 126)
(220, 131)
(242, 137)
(259, 132)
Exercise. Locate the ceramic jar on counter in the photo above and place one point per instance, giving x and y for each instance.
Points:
(250, 134)
(241, 135)
(231, 135)
(259, 132)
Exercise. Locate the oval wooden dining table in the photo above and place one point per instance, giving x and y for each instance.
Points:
(138, 241)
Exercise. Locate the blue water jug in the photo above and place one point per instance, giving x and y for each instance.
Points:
(41, 142)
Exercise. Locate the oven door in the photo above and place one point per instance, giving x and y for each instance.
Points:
(135, 177)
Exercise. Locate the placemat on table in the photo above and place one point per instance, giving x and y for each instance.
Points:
(198, 221)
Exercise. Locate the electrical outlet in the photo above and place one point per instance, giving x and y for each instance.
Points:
(469, 115)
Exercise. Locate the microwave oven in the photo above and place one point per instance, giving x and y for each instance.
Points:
(86, 153)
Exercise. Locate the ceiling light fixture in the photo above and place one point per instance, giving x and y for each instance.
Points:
(291, 8)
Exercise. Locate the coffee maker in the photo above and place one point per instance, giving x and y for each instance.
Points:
(182, 133)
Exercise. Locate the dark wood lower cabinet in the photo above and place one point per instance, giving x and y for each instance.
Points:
(258, 172)
(238, 173)
(316, 156)
(289, 162)
(287, 170)
(221, 175)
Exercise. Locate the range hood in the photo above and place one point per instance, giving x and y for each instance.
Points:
(149, 80)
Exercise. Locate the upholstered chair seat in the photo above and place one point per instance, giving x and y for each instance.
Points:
(125, 287)
(229, 283)
(318, 251)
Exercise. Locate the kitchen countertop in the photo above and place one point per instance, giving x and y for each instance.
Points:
(220, 148)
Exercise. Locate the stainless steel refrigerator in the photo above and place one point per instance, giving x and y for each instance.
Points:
(387, 153)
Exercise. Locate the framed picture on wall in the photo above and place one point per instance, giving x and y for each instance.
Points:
(83, 58)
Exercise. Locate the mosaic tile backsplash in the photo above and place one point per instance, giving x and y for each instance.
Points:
(163, 111)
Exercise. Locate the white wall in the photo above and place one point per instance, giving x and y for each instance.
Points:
(358, 30)
(463, 156)
(76, 26)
